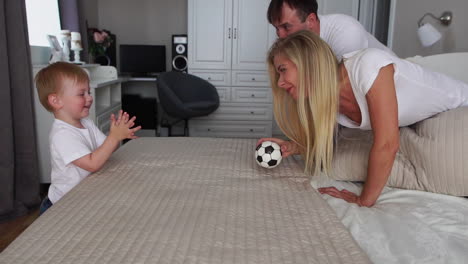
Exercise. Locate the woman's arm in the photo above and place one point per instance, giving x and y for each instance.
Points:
(383, 112)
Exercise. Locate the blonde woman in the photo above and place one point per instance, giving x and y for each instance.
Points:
(370, 89)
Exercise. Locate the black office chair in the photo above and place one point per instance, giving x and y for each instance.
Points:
(184, 96)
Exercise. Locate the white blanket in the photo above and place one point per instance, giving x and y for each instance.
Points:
(405, 226)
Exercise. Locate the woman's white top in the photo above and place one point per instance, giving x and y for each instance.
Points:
(421, 93)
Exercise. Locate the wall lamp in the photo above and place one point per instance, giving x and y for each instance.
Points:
(427, 33)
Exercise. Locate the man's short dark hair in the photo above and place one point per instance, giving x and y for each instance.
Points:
(302, 7)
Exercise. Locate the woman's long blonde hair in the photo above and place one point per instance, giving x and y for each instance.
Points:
(309, 121)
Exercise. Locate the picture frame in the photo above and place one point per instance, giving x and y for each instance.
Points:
(53, 42)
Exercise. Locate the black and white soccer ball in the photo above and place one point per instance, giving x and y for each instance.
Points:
(268, 154)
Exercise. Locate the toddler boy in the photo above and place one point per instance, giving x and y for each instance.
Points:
(77, 146)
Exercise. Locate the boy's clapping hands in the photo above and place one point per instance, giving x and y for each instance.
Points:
(122, 127)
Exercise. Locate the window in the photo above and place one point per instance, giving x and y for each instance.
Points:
(43, 19)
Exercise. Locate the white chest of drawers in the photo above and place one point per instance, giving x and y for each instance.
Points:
(245, 109)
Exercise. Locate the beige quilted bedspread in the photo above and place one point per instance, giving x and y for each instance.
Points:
(433, 155)
(188, 200)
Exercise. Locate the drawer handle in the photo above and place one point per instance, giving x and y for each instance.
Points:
(253, 79)
(252, 95)
(209, 78)
(209, 129)
(251, 130)
(252, 112)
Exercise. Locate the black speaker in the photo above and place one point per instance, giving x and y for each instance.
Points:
(179, 53)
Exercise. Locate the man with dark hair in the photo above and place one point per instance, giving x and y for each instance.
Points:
(343, 33)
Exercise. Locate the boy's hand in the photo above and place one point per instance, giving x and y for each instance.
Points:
(122, 127)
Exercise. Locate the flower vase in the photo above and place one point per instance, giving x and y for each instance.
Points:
(103, 60)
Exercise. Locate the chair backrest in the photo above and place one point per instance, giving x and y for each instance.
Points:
(181, 93)
(187, 87)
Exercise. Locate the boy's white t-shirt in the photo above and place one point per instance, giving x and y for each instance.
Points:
(67, 144)
(421, 93)
(345, 34)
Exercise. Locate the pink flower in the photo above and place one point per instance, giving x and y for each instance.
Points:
(99, 41)
(98, 37)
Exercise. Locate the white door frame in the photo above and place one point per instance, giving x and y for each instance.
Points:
(391, 23)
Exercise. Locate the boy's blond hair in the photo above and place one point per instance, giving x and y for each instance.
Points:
(50, 80)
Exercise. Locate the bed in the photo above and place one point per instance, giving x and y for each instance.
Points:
(189, 200)
(204, 200)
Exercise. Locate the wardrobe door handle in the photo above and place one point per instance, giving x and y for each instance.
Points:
(229, 33)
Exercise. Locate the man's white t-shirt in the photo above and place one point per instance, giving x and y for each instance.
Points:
(67, 144)
(421, 93)
(345, 34)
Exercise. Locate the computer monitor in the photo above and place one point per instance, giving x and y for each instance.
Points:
(142, 60)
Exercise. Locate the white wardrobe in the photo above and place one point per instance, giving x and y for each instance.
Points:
(228, 42)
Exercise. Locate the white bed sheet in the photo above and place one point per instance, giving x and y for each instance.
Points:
(405, 226)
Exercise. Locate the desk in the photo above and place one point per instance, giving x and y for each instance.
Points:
(139, 79)
(140, 98)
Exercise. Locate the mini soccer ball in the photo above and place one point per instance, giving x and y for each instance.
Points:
(268, 154)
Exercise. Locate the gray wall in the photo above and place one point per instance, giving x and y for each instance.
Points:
(407, 14)
(154, 21)
(151, 22)
(89, 9)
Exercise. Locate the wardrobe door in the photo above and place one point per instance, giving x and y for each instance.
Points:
(253, 34)
(210, 34)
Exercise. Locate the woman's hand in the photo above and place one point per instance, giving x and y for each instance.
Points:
(288, 148)
(346, 195)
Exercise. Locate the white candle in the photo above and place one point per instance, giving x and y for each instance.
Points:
(76, 45)
(65, 32)
(75, 36)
